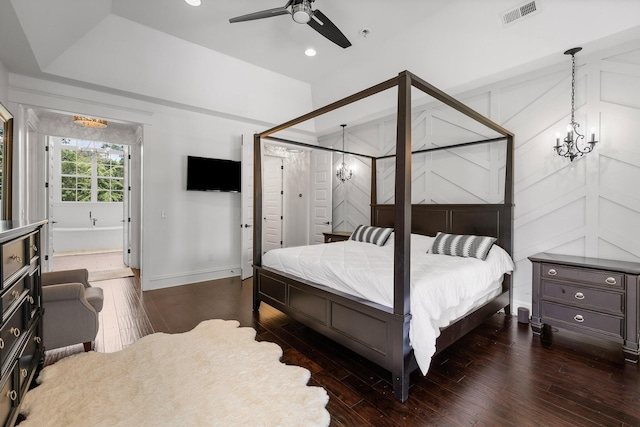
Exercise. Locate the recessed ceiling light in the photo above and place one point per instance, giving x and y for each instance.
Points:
(193, 2)
(310, 52)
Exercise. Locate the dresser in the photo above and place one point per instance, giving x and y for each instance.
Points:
(21, 349)
(593, 296)
(336, 236)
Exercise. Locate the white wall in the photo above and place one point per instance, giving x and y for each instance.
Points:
(199, 238)
(4, 83)
(590, 207)
(468, 40)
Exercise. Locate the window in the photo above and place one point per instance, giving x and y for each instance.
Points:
(91, 171)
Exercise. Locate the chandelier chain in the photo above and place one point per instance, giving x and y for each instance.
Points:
(573, 87)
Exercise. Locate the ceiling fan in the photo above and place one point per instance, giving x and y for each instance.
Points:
(302, 13)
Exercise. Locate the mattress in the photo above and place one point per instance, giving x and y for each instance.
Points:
(443, 287)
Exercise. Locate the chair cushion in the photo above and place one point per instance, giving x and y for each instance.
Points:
(95, 297)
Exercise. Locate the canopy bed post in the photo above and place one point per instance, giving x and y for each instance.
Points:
(507, 223)
(402, 248)
(257, 216)
(374, 189)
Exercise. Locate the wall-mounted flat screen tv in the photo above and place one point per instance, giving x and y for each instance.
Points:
(205, 174)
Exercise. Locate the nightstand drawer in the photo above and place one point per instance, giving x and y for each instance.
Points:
(608, 324)
(583, 275)
(580, 296)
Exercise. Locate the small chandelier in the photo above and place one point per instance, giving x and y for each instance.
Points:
(90, 122)
(344, 173)
(574, 144)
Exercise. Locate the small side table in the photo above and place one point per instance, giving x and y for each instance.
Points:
(336, 236)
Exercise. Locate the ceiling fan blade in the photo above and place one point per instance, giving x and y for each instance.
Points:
(324, 26)
(262, 14)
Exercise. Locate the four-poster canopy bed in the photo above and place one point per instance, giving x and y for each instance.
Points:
(378, 332)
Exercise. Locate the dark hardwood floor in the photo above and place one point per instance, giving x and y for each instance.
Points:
(498, 375)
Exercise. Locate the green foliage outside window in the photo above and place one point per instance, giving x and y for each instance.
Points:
(81, 168)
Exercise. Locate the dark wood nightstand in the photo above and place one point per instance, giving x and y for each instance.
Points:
(593, 296)
(336, 236)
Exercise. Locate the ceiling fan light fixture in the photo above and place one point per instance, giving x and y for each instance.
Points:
(90, 122)
(301, 12)
(193, 2)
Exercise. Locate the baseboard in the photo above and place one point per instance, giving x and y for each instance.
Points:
(179, 279)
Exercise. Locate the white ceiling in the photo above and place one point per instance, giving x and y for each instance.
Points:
(278, 43)
(450, 43)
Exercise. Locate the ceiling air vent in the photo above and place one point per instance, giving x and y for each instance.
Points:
(515, 14)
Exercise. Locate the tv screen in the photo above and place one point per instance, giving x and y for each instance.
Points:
(204, 174)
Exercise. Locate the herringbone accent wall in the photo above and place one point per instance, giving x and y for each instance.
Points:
(589, 207)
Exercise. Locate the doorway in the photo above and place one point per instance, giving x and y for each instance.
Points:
(87, 204)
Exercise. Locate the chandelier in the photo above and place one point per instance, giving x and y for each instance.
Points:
(344, 173)
(90, 122)
(574, 144)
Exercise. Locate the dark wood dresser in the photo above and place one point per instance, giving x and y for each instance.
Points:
(21, 349)
(597, 297)
(336, 236)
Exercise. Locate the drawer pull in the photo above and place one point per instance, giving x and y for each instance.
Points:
(34, 248)
(24, 372)
(17, 258)
(15, 332)
(30, 299)
(16, 294)
(12, 394)
(38, 340)
(579, 295)
(578, 318)
(552, 272)
(1, 343)
(611, 280)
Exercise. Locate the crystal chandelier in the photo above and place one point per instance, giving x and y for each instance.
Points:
(90, 122)
(574, 144)
(344, 173)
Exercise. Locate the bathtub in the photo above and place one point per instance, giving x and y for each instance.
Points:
(87, 239)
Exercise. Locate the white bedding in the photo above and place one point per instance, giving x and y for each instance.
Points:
(443, 287)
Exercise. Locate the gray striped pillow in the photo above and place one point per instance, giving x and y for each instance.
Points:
(462, 245)
(369, 234)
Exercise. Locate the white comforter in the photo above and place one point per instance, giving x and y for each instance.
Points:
(443, 287)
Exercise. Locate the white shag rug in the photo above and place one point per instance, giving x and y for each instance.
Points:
(213, 375)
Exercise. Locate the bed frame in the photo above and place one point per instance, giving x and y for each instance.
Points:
(376, 332)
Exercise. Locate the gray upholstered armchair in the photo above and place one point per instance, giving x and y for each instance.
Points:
(71, 307)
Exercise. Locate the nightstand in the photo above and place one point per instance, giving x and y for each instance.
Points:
(336, 236)
(593, 296)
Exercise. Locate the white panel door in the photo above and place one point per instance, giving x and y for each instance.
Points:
(272, 203)
(247, 207)
(321, 188)
(49, 186)
(126, 209)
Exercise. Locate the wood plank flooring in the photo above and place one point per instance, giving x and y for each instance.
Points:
(498, 375)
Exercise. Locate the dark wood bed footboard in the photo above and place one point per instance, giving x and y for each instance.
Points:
(367, 328)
